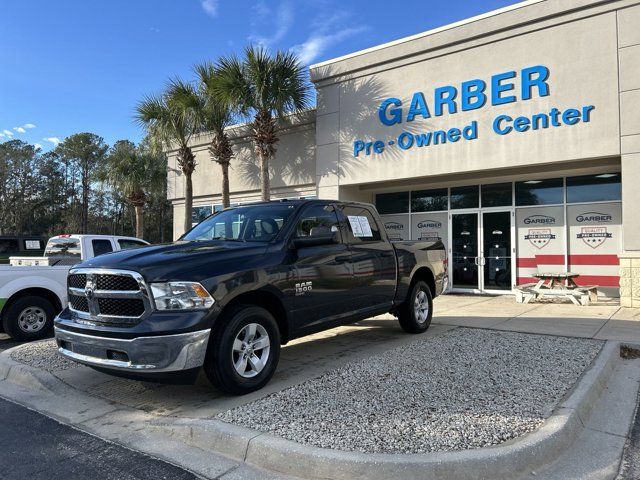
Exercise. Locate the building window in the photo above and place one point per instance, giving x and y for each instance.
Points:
(198, 214)
(429, 200)
(594, 188)
(539, 192)
(392, 202)
(465, 197)
(497, 195)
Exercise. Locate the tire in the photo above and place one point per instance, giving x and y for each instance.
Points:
(414, 319)
(29, 318)
(224, 361)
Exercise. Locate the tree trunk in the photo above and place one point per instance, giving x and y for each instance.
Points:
(188, 201)
(264, 177)
(225, 184)
(139, 221)
(85, 200)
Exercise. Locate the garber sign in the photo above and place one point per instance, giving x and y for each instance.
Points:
(473, 94)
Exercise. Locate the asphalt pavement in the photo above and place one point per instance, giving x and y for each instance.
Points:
(36, 447)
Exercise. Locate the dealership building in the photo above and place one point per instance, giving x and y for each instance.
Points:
(513, 136)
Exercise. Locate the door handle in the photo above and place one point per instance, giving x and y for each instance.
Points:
(387, 254)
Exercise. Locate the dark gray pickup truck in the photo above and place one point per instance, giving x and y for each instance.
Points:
(240, 284)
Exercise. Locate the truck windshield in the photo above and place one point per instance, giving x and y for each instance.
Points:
(253, 223)
(63, 247)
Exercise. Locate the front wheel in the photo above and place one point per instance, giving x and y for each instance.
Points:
(416, 312)
(243, 354)
(29, 318)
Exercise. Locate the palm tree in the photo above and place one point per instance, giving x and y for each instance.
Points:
(171, 120)
(214, 116)
(263, 87)
(136, 173)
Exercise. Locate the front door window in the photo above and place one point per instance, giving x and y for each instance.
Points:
(496, 243)
(464, 250)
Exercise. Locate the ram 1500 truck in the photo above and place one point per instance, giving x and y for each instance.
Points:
(239, 285)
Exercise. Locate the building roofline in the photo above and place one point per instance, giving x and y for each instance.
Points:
(427, 33)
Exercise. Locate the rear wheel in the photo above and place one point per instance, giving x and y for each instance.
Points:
(29, 318)
(416, 312)
(243, 353)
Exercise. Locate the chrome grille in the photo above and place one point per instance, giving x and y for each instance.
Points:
(107, 296)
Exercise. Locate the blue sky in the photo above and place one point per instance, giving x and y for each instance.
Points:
(69, 66)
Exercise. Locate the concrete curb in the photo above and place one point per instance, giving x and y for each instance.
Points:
(509, 460)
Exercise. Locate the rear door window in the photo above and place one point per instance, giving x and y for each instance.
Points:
(361, 225)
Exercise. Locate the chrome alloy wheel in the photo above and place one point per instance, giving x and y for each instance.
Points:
(421, 307)
(32, 319)
(250, 350)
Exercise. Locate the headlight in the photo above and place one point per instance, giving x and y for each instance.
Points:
(180, 296)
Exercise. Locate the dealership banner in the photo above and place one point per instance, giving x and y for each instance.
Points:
(397, 226)
(541, 241)
(595, 232)
(430, 227)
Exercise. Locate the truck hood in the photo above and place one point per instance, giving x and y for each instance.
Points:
(177, 261)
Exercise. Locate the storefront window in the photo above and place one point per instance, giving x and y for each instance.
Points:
(465, 197)
(539, 192)
(497, 195)
(429, 200)
(594, 188)
(392, 202)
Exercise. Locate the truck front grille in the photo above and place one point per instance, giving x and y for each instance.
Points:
(79, 303)
(78, 280)
(121, 307)
(114, 297)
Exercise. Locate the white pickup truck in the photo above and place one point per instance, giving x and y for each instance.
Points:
(34, 289)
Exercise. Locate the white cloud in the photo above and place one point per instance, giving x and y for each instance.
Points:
(325, 33)
(19, 129)
(29, 125)
(8, 133)
(54, 140)
(283, 22)
(37, 145)
(210, 7)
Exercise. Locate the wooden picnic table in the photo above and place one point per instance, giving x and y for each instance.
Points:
(557, 284)
(556, 280)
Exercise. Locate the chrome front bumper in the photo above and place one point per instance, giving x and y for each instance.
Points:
(166, 353)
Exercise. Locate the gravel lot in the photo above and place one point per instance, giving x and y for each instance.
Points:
(465, 389)
(42, 355)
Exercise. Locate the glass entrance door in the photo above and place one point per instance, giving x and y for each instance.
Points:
(496, 251)
(464, 251)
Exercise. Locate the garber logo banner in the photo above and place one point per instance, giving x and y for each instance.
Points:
(449, 100)
(539, 220)
(595, 217)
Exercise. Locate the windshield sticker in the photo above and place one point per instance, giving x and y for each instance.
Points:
(360, 226)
